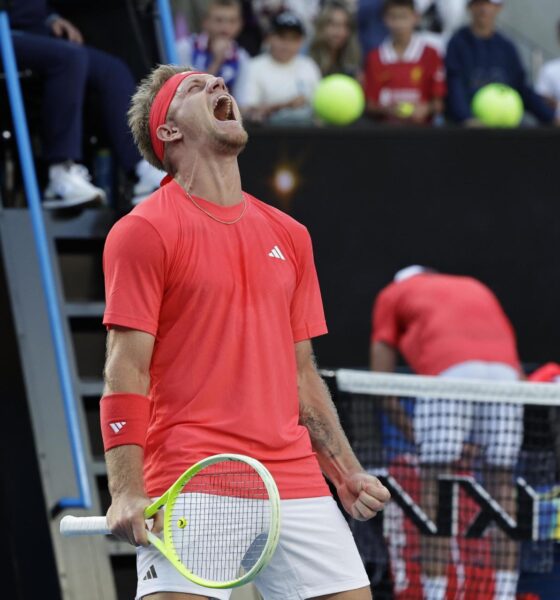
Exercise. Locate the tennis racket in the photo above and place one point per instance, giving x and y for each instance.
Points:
(221, 521)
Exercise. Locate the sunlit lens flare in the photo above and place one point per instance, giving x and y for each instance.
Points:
(285, 181)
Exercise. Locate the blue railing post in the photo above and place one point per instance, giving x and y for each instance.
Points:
(167, 32)
(45, 265)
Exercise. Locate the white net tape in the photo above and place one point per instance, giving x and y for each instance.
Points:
(366, 382)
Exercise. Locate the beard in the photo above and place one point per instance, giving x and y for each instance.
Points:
(229, 143)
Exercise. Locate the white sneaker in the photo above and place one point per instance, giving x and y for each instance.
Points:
(69, 185)
(148, 182)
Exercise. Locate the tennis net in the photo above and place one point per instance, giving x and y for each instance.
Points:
(473, 469)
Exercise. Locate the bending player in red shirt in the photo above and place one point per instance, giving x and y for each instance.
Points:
(212, 298)
(453, 327)
(404, 77)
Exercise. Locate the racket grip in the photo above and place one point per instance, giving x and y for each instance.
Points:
(70, 526)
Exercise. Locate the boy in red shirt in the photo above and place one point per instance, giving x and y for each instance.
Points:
(404, 77)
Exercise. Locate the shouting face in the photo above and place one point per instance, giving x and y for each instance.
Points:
(204, 113)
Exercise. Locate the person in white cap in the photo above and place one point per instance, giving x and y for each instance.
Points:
(280, 83)
(453, 327)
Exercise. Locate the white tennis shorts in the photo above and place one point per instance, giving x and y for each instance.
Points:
(316, 555)
(442, 427)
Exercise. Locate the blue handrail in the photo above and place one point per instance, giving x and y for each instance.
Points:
(45, 266)
(167, 31)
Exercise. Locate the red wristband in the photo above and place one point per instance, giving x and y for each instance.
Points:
(124, 419)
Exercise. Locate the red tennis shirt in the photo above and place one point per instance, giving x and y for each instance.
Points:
(437, 321)
(416, 77)
(226, 303)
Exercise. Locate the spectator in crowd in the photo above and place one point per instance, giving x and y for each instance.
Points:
(372, 29)
(548, 81)
(191, 14)
(251, 36)
(446, 16)
(453, 14)
(54, 48)
(215, 50)
(453, 327)
(478, 55)
(280, 83)
(307, 12)
(404, 77)
(371, 25)
(335, 46)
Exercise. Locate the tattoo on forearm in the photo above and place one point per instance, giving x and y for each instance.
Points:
(321, 433)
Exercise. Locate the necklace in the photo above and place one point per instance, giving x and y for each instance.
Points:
(216, 218)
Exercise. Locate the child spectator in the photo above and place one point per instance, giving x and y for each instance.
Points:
(478, 55)
(280, 83)
(448, 14)
(335, 46)
(215, 50)
(404, 77)
(548, 82)
(305, 10)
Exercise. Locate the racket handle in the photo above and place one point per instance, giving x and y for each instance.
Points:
(84, 526)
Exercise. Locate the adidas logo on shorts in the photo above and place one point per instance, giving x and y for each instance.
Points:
(150, 574)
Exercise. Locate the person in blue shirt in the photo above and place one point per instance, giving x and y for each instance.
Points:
(478, 55)
(371, 25)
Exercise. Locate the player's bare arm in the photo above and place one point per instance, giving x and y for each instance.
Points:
(361, 494)
(383, 358)
(127, 370)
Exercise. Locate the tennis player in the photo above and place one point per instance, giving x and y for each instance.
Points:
(212, 300)
(454, 327)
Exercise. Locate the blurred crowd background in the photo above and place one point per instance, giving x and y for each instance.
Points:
(420, 63)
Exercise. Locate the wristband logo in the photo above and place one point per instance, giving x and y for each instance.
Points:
(117, 426)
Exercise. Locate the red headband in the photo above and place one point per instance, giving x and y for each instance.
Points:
(160, 106)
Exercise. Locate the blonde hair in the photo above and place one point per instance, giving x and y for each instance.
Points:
(349, 58)
(140, 106)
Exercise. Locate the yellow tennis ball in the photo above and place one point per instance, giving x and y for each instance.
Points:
(405, 109)
(498, 105)
(182, 523)
(339, 100)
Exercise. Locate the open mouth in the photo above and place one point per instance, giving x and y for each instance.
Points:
(223, 108)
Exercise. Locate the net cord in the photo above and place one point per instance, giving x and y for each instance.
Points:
(414, 386)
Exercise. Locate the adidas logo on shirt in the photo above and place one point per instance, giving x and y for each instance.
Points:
(150, 574)
(276, 253)
(117, 426)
